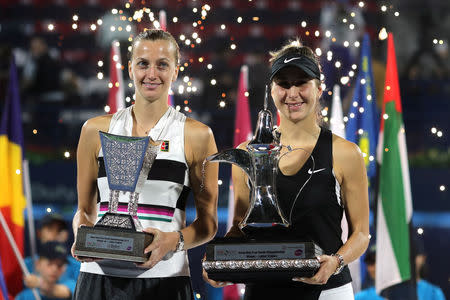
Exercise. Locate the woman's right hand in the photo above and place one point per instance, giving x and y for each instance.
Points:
(81, 258)
(233, 232)
(216, 284)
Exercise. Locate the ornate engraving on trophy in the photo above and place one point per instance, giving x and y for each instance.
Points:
(128, 161)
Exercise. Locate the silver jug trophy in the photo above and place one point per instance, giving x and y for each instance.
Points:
(119, 236)
(261, 253)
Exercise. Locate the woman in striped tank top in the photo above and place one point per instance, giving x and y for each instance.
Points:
(177, 169)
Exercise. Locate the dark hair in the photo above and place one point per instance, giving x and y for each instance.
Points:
(154, 35)
(53, 220)
(54, 250)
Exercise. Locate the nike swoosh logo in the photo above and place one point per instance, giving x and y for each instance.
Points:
(315, 171)
(290, 59)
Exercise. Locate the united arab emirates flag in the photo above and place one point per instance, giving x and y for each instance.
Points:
(394, 209)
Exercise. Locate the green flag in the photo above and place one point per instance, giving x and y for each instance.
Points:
(394, 210)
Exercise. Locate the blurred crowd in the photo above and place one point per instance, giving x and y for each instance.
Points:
(59, 71)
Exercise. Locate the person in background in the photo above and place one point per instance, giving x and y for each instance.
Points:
(41, 72)
(425, 289)
(369, 293)
(47, 277)
(53, 227)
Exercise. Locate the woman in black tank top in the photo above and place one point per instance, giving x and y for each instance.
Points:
(335, 184)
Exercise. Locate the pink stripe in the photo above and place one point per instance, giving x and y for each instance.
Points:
(142, 211)
(155, 212)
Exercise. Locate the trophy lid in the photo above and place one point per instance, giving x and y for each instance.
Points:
(264, 125)
(124, 156)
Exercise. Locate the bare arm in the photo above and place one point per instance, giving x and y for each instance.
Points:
(351, 174)
(241, 203)
(50, 289)
(199, 144)
(241, 196)
(349, 164)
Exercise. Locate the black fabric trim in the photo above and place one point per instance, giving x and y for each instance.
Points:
(98, 194)
(327, 139)
(182, 199)
(167, 170)
(101, 167)
(162, 169)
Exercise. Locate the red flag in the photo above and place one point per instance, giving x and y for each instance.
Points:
(242, 133)
(163, 20)
(242, 126)
(116, 92)
(12, 200)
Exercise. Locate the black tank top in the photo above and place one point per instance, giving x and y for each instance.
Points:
(316, 215)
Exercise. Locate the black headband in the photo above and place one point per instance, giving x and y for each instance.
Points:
(308, 65)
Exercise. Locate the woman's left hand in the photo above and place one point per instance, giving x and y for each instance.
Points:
(163, 242)
(328, 265)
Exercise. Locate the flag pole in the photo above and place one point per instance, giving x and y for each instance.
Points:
(16, 251)
(28, 197)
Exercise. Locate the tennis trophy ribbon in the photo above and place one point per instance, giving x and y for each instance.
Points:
(263, 252)
(116, 235)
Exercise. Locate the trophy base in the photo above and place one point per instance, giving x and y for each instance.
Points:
(244, 260)
(112, 243)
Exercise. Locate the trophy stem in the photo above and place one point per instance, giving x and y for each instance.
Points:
(113, 201)
(132, 210)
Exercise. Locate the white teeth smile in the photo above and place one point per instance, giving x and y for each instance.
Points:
(294, 104)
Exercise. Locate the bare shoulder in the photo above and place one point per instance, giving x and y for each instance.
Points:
(99, 123)
(196, 132)
(89, 142)
(347, 156)
(343, 149)
(198, 140)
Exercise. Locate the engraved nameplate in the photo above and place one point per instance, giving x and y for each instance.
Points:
(259, 251)
(109, 242)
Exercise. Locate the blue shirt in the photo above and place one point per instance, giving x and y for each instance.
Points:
(428, 291)
(72, 269)
(425, 291)
(27, 294)
(368, 294)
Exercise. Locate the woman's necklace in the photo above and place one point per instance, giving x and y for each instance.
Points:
(139, 125)
(146, 132)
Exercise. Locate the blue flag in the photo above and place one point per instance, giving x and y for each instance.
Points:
(3, 289)
(363, 120)
(362, 126)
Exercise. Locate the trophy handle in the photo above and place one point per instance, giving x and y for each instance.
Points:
(239, 157)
